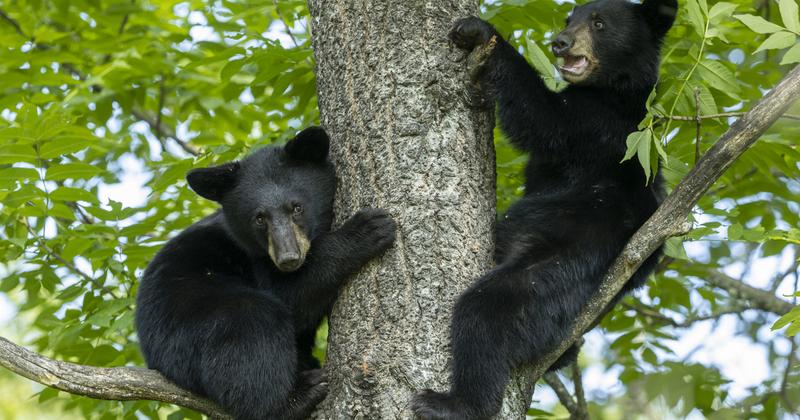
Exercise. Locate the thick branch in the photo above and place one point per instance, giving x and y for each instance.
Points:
(670, 218)
(117, 383)
(758, 299)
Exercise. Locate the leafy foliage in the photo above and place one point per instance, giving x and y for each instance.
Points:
(105, 104)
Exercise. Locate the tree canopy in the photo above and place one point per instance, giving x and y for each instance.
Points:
(105, 105)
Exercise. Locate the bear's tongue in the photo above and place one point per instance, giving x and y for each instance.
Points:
(575, 65)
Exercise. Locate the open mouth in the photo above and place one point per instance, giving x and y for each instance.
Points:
(574, 65)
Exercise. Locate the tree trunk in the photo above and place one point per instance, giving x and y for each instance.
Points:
(392, 96)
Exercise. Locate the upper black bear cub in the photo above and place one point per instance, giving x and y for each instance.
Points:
(580, 206)
(229, 307)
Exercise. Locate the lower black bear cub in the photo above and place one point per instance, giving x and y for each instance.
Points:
(580, 206)
(229, 307)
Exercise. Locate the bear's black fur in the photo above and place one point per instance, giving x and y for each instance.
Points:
(580, 205)
(229, 307)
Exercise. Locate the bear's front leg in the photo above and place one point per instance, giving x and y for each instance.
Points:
(332, 259)
(366, 235)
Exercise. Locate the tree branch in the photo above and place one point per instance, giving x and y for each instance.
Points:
(785, 379)
(654, 315)
(12, 22)
(161, 130)
(695, 118)
(577, 381)
(670, 217)
(117, 383)
(552, 379)
(758, 298)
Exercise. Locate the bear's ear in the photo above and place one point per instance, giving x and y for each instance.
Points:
(212, 183)
(660, 14)
(310, 145)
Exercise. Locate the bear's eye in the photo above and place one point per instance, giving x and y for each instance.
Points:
(261, 220)
(297, 209)
(598, 24)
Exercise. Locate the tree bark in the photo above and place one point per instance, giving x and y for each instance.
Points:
(115, 383)
(403, 139)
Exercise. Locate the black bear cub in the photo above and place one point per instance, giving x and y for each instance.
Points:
(581, 205)
(229, 307)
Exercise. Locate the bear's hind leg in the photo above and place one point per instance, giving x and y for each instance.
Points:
(513, 315)
(249, 357)
(485, 335)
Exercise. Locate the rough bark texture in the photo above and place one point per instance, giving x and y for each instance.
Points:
(392, 96)
(118, 383)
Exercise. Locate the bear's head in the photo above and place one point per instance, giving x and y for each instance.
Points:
(276, 200)
(614, 43)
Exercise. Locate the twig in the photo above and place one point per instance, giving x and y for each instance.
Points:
(789, 362)
(116, 383)
(120, 31)
(43, 244)
(12, 22)
(780, 277)
(577, 381)
(166, 132)
(790, 406)
(712, 116)
(160, 111)
(285, 25)
(699, 122)
(552, 379)
(696, 117)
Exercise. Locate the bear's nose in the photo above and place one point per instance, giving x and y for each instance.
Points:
(562, 44)
(288, 260)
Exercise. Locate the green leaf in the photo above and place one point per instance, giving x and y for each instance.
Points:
(63, 145)
(643, 153)
(793, 318)
(633, 141)
(696, 17)
(108, 310)
(790, 15)
(72, 194)
(18, 174)
(72, 171)
(758, 24)
(231, 68)
(778, 41)
(721, 11)
(792, 55)
(541, 63)
(719, 76)
(673, 247)
(75, 247)
(47, 394)
(14, 153)
(735, 231)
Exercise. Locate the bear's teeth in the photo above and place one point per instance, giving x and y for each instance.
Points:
(575, 65)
